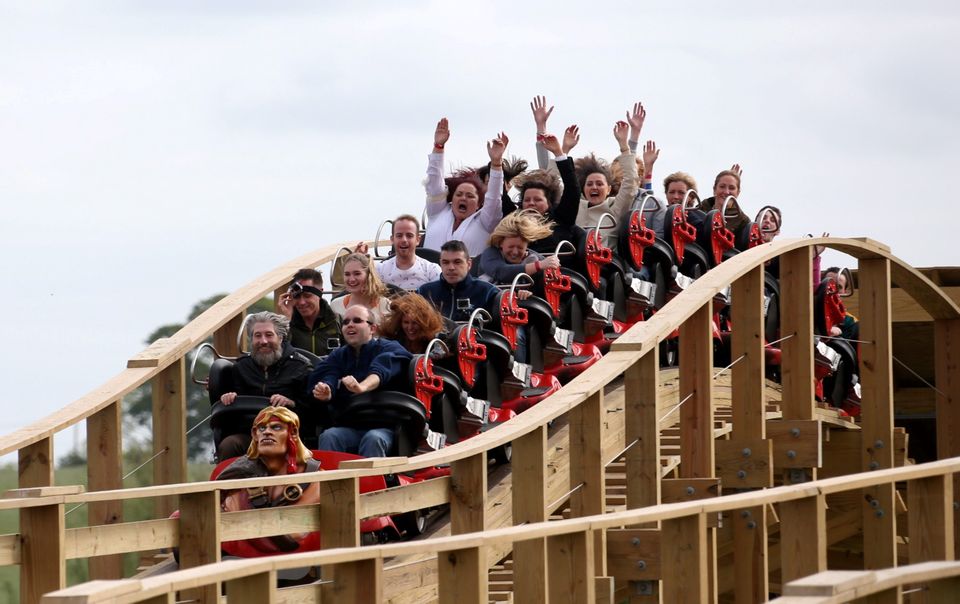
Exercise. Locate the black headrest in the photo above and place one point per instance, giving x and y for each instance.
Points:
(428, 254)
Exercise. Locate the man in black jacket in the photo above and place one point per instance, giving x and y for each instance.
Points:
(272, 369)
(456, 294)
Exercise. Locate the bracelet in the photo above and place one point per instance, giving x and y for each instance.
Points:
(536, 266)
(648, 176)
(436, 146)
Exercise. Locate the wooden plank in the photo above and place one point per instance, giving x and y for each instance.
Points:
(642, 460)
(745, 463)
(747, 340)
(42, 563)
(689, 489)
(796, 321)
(829, 583)
(356, 582)
(696, 382)
(104, 445)
(225, 337)
(258, 588)
(468, 494)
(463, 576)
(529, 495)
(199, 539)
(158, 351)
(110, 539)
(803, 537)
(604, 587)
(571, 564)
(39, 492)
(340, 513)
(35, 464)
(587, 467)
(406, 498)
(904, 308)
(92, 591)
(796, 443)
(947, 366)
(750, 556)
(930, 519)
(634, 554)
(9, 549)
(169, 432)
(683, 559)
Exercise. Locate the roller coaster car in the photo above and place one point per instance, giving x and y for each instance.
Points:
(552, 349)
(714, 236)
(840, 386)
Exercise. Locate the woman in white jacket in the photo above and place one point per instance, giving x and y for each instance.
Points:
(454, 206)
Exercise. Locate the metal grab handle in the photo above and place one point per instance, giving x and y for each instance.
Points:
(726, 205)
(333, 263)
(564, 243)
(599, 226)
(436, 342)
(484, 317)
(647, 197)
(847, 290)
(762, 214)
(516, 280)
(376, 241)
(196, 357)
(243, 326)
(691, 194)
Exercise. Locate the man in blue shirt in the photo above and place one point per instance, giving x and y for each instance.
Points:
(456, 294)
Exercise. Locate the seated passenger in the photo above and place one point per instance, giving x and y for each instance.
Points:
(595, 177)
(363, 364)
(405, 269)
(413, 322)
(457, 293)
(539, 192)
(312, 322)
(850, 328)
(509, 255)
(727, 183)
(272, 368)
(455, 207)
(675, 188)
(364, 288)
(275, 450)
(512, 168)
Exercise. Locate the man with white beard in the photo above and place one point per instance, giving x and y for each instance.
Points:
(272, 369)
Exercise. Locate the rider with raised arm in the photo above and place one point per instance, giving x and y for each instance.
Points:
(313, 324)
(454, 206)
(405, 269)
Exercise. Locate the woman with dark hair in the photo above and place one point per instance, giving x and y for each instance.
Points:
(595, 180)
(363, 286)
(462, 207)
(727, 184)
(413, 322)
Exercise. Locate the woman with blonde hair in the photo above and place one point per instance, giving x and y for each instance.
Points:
(363, 287)
(509, 253)
(413, 322)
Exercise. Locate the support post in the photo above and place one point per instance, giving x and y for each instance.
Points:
(43, 565)
(356, 582)
(571, 576)
(169, 432)
(468, 494)
(750, 561)
(641, 396)
(529, 506)
(35, 464)
(696, 382)
(104, 446)
(683, 560)
(253, 589)
(199, 539)
(749, 412)
(587, 467)
(463, 576)
(803, 537)
(931, 518)
(946, 346)
(340, 513)
(796, 321)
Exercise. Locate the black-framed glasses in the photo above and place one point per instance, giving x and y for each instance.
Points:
(356, 320)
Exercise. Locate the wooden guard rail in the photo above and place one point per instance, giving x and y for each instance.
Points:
(703, 462)
(934, 582)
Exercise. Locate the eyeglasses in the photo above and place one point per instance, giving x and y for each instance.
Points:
(273, 427)
(356, 321)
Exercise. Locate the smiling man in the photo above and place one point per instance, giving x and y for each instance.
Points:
(364, 364)
(313, 324)
(405, 269)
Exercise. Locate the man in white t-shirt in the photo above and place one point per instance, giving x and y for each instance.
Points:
(405, 269)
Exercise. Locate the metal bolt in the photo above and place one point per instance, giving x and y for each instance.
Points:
(746, 452)
(751, 524)
(691, 490)
(795, 432)
(741, 474)
(792, 454)
(956, 505)
(874, 503)
(635, 541)
(879, 513)
(745, 514)
(874, 465)
(878, 444)
(641, 564)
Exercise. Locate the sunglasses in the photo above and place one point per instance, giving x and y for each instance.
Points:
(273, 427)
(356, 321)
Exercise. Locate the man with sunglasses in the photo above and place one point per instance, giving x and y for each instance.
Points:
(363, 364)
(314, 326)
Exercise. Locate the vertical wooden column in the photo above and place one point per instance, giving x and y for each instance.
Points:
(43, 565)
(468, 494)
(587, 467)
(931, 518)
(356, 582)
(750, 561)
(571, 575)
(796, 320)
(803, 537)
(946, 346)
(199, 539)
(641, 396)
(253, 589)
(683, 560)
(749, 410)
(696, 382)
(340, 527)
(530, 505)
(463, 576)
(876, 412)
(225, 338)
(35, 464)
(104, 446)
(169, 431)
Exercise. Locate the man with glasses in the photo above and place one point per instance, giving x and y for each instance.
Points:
(313, 324)
(363, 364)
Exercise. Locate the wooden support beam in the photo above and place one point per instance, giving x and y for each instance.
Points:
(571, 566)
(796, 324)
(803, 537)
(43, 565)
(747, 341)
(683, 560)
(946, 346)
(259, 588)
(356, 582)
(468, 494)
(340, 513)
(696, 382)
(530, 505)
(587, 467)
(225, 338)
(199, 539)
(169, 432)
(750, 562)
(35, 464)
(641, 395)
(463, 576)
(104, 445)
(634, 554)
(931, 519)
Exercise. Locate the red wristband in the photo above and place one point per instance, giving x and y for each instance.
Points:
(438, 147)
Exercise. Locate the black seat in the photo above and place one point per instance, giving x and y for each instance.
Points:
(387, 409)
(428, 254)
(236, 418)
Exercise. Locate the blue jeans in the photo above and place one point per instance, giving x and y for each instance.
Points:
(377, 442)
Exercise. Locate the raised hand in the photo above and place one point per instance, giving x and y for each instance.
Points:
(819, 249)
(620, 133)
(442, 134)
(496, 148)
(285, 305)
(650, 155)
(540, 112)
(571, 136)
(550, 143)
(737, 169)
(635, 120)
(362, 248)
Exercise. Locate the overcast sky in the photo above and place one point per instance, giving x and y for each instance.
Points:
(154, 153)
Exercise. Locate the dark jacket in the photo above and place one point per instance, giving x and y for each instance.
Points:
(287, 377)
(498, 270)
(325, 326)
(733, 224)
(384, 358)
(564, 214)
(471, 293)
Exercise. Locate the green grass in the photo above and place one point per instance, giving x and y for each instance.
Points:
(135, 509)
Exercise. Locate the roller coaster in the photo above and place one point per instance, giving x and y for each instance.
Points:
(655, 474)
